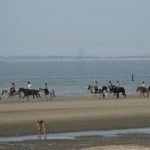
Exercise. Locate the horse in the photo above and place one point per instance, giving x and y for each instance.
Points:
(27, 93)
(114, 90)
(108, 92)
(10, 95)
(92, 91)
(143, 90)
(52, 94)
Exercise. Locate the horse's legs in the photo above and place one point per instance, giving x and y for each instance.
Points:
(99, 95)
(28, 97)
(117, 95)
(51, 96)
(143, 94)
(39, 95)
(103, 95)
(114, 95)
(108, 95)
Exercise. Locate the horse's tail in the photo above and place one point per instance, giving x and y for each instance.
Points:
(53, 93)
(123, 91)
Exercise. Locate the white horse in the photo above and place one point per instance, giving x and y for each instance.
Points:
(10, 95)
(51, 94)
(93, 92)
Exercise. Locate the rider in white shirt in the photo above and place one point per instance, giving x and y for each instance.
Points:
(29, 86)
(118, 84)
(143, 85)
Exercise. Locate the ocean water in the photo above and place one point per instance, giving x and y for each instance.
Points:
(71, 77)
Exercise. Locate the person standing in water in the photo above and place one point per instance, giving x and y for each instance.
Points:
(43, 125)
(38, 126)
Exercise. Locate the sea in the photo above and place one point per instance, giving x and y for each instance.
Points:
(70, 77)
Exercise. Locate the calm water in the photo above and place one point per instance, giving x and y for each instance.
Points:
(73, 135)
(71, 77)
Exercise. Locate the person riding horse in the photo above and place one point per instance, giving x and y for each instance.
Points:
(46, 89)
(12, 89)
(95, 87)
(143, 85)
(110, 86)
(29, 87)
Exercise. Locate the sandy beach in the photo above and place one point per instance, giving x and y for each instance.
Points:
(74, 114)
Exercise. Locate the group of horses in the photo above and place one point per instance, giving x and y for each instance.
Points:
(114, 91)
(26, 93)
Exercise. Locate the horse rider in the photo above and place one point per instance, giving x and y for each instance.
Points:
(110, 85)
(46, 89)
(29, 87)
(95, 87)
(143, 86)
(12, 89)
(118, 84)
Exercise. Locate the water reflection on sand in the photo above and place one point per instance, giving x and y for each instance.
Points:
(73, 135)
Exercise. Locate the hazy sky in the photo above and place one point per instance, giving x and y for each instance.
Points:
(74, 27)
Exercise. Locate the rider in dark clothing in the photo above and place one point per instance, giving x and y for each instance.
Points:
(95, 87)
(46, 89)
(110, 86)
(12, 89)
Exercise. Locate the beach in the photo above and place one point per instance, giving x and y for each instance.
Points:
(74, 114)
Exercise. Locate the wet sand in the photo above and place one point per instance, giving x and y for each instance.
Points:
(75, 113)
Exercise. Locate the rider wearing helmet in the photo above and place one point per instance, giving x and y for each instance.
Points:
(95, 87)
(29, 87)
(143, 85)
(110, 85)
(46, 89)
(12, 89)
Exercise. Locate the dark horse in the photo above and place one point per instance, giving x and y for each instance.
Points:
(27, 93)
(114, 90)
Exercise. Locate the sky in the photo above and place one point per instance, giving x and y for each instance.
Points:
(74, 28)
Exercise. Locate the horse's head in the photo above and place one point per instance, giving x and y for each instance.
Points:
(4, 91)
(89, 87)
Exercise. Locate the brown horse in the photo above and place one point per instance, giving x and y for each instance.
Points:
(27, 93)
(142, 91)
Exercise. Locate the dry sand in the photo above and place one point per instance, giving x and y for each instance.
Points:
(76, 113)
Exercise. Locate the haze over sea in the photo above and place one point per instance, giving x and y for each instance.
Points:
(72, 76)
